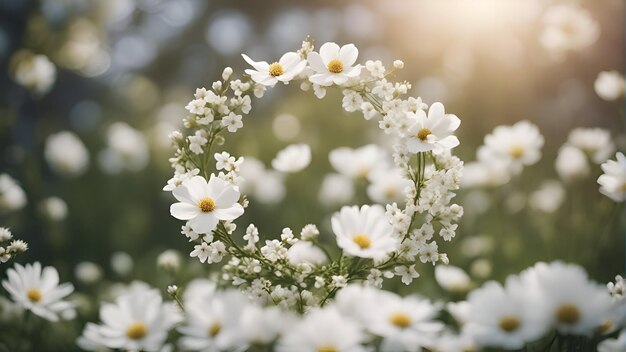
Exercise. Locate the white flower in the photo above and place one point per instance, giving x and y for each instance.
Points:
(336, 189)
(127, 149)
(306, 252)
(434, 132)
(199, 290)
(139, 320)
(323, 330)
(197, 141)
(407, 273)
(548, 198)
(66, 154)
(512, 146)
(34, 72)
(387, 185)
(309, 232)
(614, 344)
(293, 158)
(364, 232)
(88, 272)
(359, 162)
(333, 65)
(571, 163)
(5, 234)
(232, 122)
(273, 250)
(205, 204)
(287, 68)
(613, 181)
(596, 142)
(503, 317)
(54, 208)
(210, 253)
(261, 326)
(566, 297)
(609, 85)
(452, 278)
(214, 324)
(169, 260)
(568, 27)
(38, 290)
(122, 263)
(617, 289)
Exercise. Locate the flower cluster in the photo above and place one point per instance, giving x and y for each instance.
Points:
(12, 249)
(376, 242)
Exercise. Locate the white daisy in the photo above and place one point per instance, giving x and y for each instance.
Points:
(334, 65)
(214, 324)
(364, 232)
(39, 291)
(293, 158)
(139, 320)
(205, 204)
(287, 68)
(512, 146)
(613, 181)
(323, 330)
(433, 132)
(609, 85)
(503, 317)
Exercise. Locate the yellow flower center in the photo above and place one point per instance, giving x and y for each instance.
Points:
(509, 323)
(401, 320)
(215, 329)
(362, 240)
(137, 330)
(34, 295)
(207, 205)
(335, 66)
(517, 152)
(326, 349)
(276, 69)
(390, 192)
(605, 327)
(423, 134)
(568, 314)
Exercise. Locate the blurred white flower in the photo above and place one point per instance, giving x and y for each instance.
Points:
(169, 260)
(609, 85)
(214, 324)
(286, 127)
(127, 149)
(596, 142)
(568, 27)
(12, 196)
(452, 278)
(484, 174)
(306, 252)
(459, 310)
(387, 186)
(571, 163)
(293, 158)
(323, 330)
(266, 186)
(34, 72)
(88, 272)
(204, 203)
(503, 317)
(122, 263)
(263, 325)
(38, 290)
(359, 162)
(139, 320)
(199, 290)
(66, 154)
(336, 189)
(54, 208)
(433, 132)
(364, 232)
(287, 68)
(481, 268)
(513, 146)
(617, 344)
(618, 288)
(548, 198)
(334, 65)
(566, 298)
(613, 181)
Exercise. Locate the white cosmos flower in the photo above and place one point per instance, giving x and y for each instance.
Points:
(205, 204)
(323, 330)
(66, 154)
(609, 85)
(596, 142)
(434, 132)
(512, 146)
(358, 162)
(364, 232)
(287, 68)
(139, 320)
(214, 324)
(39, 291)
(293, 158)
(613, 181)
(452, 278)
(334, 65)
(503, 317)
(567, 299)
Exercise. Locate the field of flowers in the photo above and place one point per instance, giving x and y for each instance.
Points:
(182, 175)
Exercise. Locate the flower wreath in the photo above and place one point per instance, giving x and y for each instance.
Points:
(375, 242)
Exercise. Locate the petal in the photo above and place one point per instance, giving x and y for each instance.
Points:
(227, 198)
(204, 223)
(184, 211)
(259, 66)
(49, 279)
(329, 51)
(436, 110)
(316, 63)
(348, 55)
(290, 60)
(197, 187)
(216, 187)
(231, 213)
(353, 72)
